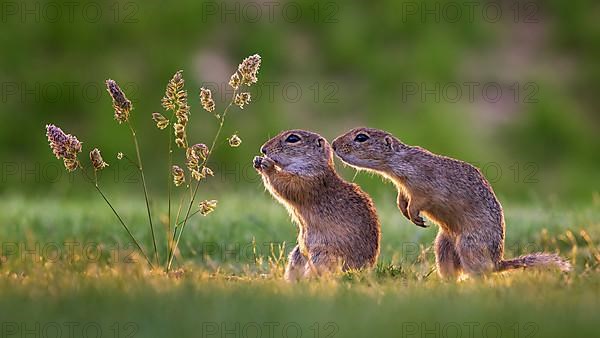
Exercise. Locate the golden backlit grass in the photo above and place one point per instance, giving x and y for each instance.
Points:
(232, 276)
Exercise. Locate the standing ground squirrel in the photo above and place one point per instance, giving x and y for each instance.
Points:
(451, 193)
(337, 222)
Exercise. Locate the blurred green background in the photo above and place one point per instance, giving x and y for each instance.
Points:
(428, 71)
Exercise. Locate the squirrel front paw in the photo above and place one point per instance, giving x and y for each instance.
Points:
(414, 213)
(263, 163)
(256, 162)
(418, 220)
(402, 203)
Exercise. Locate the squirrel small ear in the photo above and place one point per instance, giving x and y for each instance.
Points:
(389, 142)
(320, 142)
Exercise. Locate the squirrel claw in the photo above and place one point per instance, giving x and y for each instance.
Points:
(420, 222)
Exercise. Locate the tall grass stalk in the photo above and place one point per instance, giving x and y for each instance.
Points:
(193, 197)
(170, 191)
(97, 187)
(141, 168)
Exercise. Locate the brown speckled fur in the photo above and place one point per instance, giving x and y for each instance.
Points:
(451, 193)
(338, 224)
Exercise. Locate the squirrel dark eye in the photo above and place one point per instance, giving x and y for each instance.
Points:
(361, 138)
(293, 138)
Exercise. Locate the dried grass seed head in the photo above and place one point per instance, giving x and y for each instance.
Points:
(206, 100)
(248, 69)
(121, 104)
(201, 150)
(97, 161)
(161, 121)
(207, 206)
(64, 146)
(234, 141)
(242, 99)
(178, 175)
(235, 81)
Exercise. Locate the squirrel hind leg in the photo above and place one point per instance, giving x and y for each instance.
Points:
(475, 256)
(322, 262)
(295, 267)
(446, 257)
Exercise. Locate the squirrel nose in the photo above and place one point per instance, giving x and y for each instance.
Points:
(263, 150)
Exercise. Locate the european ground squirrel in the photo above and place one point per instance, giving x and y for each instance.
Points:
(338, 224)
(451, 193)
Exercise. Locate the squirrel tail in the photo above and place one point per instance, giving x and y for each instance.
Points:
(539, 260)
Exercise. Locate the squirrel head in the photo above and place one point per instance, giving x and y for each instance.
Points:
(299, 151)
(367, 148)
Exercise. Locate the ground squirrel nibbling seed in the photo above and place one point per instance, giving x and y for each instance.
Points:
(338, 224)
(451, 193)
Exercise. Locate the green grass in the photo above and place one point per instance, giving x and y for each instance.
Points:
(229, 278)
